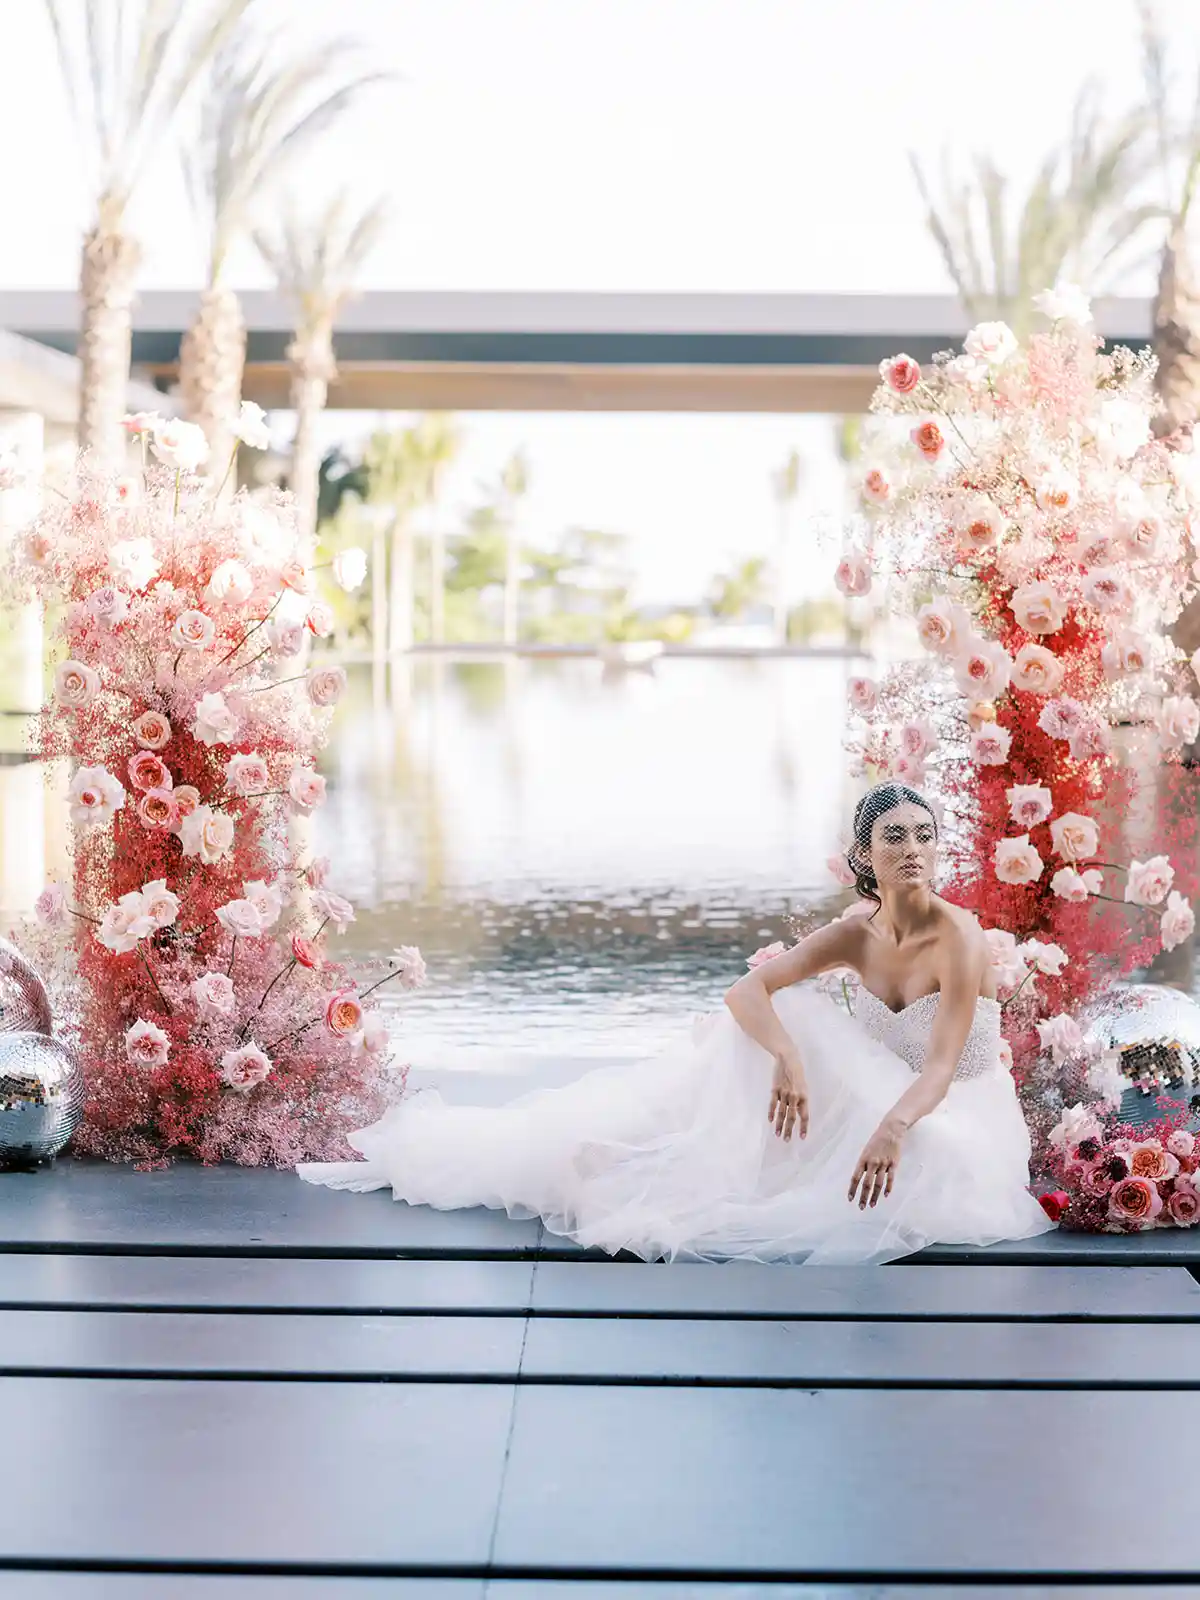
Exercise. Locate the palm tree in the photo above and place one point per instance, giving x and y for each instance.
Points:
(263, 109)
(128, 67)
(315, 261)
(439, 443)
(1082, 213)
(513, 486)
(786, 484)
(732, 593)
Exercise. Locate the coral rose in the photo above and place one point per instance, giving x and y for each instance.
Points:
(306, 953)
(157, 809)
(1149, 881)
(927, 437)
(148, 771)
(901, 374)
(977, 522)
(1135, 1200)
(877, 487)
(1038, 608)
(152, 730)
(1017, 862)
(319, 620)
(1149, 1160)
(343, 1013)
(186, 798)
(1037, 670)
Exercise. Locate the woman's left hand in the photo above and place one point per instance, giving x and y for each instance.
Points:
(876, 1169)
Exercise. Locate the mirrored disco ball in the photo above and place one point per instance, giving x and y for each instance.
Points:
(24, 1003)
(41, 1097)
(1154, 1033)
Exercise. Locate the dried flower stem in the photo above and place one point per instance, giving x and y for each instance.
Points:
(154, 980)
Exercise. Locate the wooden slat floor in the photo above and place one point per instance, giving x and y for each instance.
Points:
(226, 1385)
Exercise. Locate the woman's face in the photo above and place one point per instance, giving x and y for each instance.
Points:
(904, 847)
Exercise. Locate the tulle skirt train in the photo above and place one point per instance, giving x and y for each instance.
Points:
(674, 1157)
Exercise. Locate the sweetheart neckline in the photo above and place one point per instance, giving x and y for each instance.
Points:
(933, 994)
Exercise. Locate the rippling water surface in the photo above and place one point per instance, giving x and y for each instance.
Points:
(585, 859)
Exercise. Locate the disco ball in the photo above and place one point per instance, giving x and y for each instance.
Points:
(24, 1003)
(41, 1097)
(1153, 1032)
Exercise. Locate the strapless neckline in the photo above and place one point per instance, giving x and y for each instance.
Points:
(934, 994)
(906, 1032)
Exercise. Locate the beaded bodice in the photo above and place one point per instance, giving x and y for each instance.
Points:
(906, 1032)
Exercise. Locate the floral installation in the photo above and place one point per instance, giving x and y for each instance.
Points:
(192, 947)
(1123, 1179)
(1018, 506)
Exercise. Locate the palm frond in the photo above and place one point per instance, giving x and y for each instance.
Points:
(316, 256)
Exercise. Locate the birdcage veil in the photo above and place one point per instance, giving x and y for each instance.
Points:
(883, 797)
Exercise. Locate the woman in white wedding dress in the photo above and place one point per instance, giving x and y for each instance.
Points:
(782, 1128)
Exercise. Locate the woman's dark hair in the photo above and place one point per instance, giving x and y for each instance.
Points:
(883, 797)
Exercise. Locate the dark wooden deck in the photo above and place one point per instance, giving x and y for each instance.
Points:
(221, 1384)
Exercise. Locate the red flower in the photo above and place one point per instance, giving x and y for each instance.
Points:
(1054, 1204)
(306, 952)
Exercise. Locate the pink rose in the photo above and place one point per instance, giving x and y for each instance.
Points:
(990, 745)
(156, 808)
(863, 695)
(287, 638)
(246, 775)
(137, 422)
(333, 908)
(917, 738)
(1124, 656)
(343, 1013)
(1017, 862)
(840, 871)
(927, 437)
(76, 685)
(1037, 670)
(1149, 881)
(50, 907)
(853, 576)
(411, 964)
(1178, 721)
(1181, 1142)
(1135, 1200)
(148, 771)
(214, 996)
(982, 669)
(316, 873)
(1091, 738)
(319, 620)
(241, 919)
(161, 905)
(943, 627)
(146, 1045)
(294, 575)
(900, 373)
(1183, 1205)
(326, 685)
(1062, 718)
(306, 953)
(1095, 1181)
(206, 833)
(876, 487)
(306, 789)
(152, 730)
(1074, 836)
(1141, 534)
(242, 1069)
(1076, 887)
(1106, 590)
(192, 630)
(1178, 921)
(1062, 1036)
(1038, 608)
(908, 770)
(107, 606)
(187, 798)
(1029, 804)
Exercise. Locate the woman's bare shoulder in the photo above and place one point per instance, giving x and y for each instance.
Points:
(963, 933)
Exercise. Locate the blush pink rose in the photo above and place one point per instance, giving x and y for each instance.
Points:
(1061, 1035)
(317, 872)
(943, 627)
(306, 789)
(1183, 1205)
(767, 953)
(982, 669)
(1029, 804)
(152, 730)
(1076, 887)
(917, 738)
(343, 1013)
(148, 771)
(901, 374)
(192, 630)
(326, 685)
(1181, 1143)
(411, 964)
(877, 487)
(1037, 670)
(246, 774)
(853, 576)
(50, 907)
(1124, 656)
(1178, 921)
(241, 918)
(1017, 862)
(76, 685)
(295, 575)
(1135, 1200)
(1178, 721)
(1148, 881)
(1039, 608)
(107, 606)
(840, 871)
(146, 1045)
(909, 770)
(319, 620)
(863, 695)
(156, 808)
(244, 1068)
(214, 996)
(990, 745)
(333, 908)
(1106, 590)
(187, 798)
(287, 638)
(1074, 836)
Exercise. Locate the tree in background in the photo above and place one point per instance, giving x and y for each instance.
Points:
(1084, 211)
(129, 68)
(263, 108)
(316, 259)
(731, 594)
(512, 489)
(786, 486)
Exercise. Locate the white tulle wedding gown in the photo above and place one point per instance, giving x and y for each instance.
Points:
(674, 1157)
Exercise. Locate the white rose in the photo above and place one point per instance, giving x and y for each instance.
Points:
(982, 669)
(246, 775)
(1178, 721)
(1048, 959)
(230, 581)
(132, 563)
(125, 925)
(1056, 491)
(1075, 1125)
(180, 445)
(94, 796)
(1074, 836)
(266, 900)
(241, 918)
(1149, 881)
(1106, 589)
(325, 685)
(1122, 428)
(243, 1068)
(287, 638)
(251, 426)
(990, 342)
(214, 722)
(192, 630)
(206, 833)
(1066, 302)
(412, 966)
(943, 627)
(306, 789)
(1037, 670)
(1124, 656)
(214, 996)
(350, 568)
(1062, 1036)
(76, 685)
(159, 903)
(1017, 861)
(1178, 921)
(146, 1045)
(1029, 804)
(977, 522)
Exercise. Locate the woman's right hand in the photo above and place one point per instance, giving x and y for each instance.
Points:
(789, 1096)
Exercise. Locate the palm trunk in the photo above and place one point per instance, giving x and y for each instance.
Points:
(1177, 346)
(378, 592)
(313, 370)
(437, 583)
(108, 273)
(212, 360)
(400, 620)
(779, 606)
(512, 587)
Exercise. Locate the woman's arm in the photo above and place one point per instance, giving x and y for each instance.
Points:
(749, 999)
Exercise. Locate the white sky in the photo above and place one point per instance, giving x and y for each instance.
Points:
(736, 145)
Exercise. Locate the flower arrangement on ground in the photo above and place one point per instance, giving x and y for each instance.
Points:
(1018, 505)
(209, 1015)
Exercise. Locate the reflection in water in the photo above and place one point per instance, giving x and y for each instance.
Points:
(586, 860)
